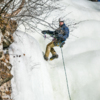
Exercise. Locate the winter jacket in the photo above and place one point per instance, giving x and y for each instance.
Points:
(61, 33)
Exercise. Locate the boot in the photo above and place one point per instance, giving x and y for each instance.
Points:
(46, 58)
(54, 57)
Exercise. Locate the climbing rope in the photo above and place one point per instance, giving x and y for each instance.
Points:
(65, 75)
(64, 69)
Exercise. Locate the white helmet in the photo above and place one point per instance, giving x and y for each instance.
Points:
(61, 20)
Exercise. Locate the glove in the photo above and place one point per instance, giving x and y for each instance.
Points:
(62, 39)
(45, 31)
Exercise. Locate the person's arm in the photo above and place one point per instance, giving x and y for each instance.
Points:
(66, 33)
(48, 32)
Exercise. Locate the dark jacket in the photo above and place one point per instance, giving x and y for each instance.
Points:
(61, 33)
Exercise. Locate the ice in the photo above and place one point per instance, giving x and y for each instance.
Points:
(31, 79)
(36, 79)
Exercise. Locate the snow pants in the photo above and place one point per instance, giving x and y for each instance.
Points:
(49, 49)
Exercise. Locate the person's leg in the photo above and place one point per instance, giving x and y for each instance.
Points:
(49, 49)
(54, 54)
(53, 51)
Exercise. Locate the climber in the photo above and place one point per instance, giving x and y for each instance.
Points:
(60, 35)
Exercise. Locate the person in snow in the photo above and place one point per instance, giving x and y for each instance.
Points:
(60, 35)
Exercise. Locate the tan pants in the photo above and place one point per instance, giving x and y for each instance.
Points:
(49, 49)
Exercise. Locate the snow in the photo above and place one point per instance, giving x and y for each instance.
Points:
(31, 79)
(36, 79)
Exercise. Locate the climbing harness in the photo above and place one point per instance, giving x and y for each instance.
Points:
(61, 44)
(65, 75)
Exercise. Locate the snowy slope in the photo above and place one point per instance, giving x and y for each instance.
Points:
(36, 79)
(31, 79)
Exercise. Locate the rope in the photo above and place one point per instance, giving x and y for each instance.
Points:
(65, 75)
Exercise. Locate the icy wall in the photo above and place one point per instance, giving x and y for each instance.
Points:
(36, 79)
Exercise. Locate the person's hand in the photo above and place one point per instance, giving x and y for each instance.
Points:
(62, 39)
(44, 31)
